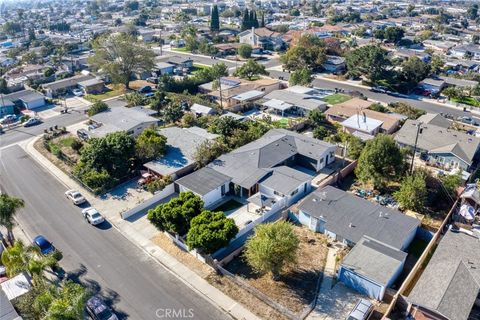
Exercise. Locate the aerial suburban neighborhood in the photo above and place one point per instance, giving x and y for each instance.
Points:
(263, 159)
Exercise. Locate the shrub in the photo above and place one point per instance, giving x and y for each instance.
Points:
(97, 107)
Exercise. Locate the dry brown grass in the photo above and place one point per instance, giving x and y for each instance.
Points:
(186, 258)
(222, 283)
(137, 84)
(297, 287)
(234, 291)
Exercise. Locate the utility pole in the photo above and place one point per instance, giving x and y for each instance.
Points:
(419, 131)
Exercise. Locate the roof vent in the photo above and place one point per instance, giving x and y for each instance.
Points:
(350, 225)
(314, 199)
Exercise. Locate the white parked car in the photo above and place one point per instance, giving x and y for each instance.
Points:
(92, 216)
(78, 92)
(75, 196)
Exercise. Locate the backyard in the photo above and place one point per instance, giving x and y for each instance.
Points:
(297, 287)
(336, 98)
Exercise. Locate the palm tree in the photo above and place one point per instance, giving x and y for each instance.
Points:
(8, 208)
(20, 258)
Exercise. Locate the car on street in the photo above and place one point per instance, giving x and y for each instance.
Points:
(468, 120)
(98, 310)
(32, 122)
(379, 89)
(92, 216)
(75, 196)
(43, 244)
(78, 92)
(9, 118)
(362, 310)
(83, 134)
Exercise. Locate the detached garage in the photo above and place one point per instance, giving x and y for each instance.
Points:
(371, 267)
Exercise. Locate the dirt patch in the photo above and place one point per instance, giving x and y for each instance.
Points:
(222, 283)
(244, 297)
(186, 258)
(137, 84)
(40, 147)
(297, 287)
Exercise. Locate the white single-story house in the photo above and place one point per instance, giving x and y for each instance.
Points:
(201, 110)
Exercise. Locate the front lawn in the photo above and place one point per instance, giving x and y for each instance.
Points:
(198, 67)
(467, 100)
(112, 92)
(336, 98)
(183, 49)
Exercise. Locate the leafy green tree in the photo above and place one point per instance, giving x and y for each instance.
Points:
(120, 56)
(354, 145)
(380, 162)
(136, 99)
(246, 22)
(3, 86)
(9, 206)
(245, 51)
(394, 34)
(308, 53)
(20, 258)
(450, 183)
(371, 61)
(208, 151)
(273, 247)
(316, 117)
(175, 215)
(97, 107)
(436, 64)
(250, 69)
(413, 192)
(173, 113)
(211, 231)
(215, 19)
(451, 92)
(225, 126)
(251, 130)
(472, 12)
(413, 71)
(150, 145)
(49, 72)
(321, 133)
(104, 159)
(302, 77)
(159, 101)
(66, 302)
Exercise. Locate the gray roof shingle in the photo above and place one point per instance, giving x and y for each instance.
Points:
(374, 260)
(438, 139)
(203, 181)
(450, 282)
(352, 217)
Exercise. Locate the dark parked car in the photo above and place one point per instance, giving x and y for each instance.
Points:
(98, 310)
(83, 134)
(45, 246)
(145, 89)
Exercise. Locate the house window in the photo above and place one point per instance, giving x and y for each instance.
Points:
(278, 193)
(321, 160)
(130, 132)
(294, 192)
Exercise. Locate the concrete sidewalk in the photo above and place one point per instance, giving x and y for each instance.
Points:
(183, 273)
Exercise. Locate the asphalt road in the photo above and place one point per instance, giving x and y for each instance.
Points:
(386, 98)
(15, 135)
(101, 258)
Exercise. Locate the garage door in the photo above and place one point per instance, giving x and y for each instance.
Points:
(360, 284)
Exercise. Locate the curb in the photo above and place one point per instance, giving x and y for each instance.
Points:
(226, 310)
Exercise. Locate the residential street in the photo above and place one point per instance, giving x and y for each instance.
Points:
(20, 133)
(423, 105)
(102, 258)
